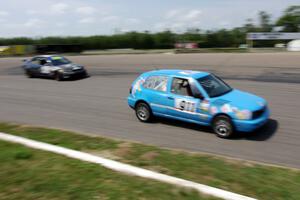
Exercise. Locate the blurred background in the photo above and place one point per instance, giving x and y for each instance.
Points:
(198, 26)
(254, 45)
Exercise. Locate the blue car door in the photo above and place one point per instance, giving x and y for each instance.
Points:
(155, 92)
(183, 102)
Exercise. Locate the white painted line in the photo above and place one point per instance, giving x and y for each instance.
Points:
(124, 168)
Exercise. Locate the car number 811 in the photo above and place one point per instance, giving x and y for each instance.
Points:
(185, 105)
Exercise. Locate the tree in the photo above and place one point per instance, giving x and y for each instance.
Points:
(264, 21)
(164, 40)
(290, 20)
(249, 26)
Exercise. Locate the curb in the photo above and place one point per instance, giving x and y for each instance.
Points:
(124, 168)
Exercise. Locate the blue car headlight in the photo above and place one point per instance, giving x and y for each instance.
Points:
(243, 114)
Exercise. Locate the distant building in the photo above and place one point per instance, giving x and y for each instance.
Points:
(186, 45)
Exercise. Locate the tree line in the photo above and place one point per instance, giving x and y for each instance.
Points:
(288, 22)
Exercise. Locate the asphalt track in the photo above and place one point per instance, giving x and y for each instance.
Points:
(97, 105)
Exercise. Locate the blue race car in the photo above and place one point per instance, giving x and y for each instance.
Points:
(53, 66)
(197, 97)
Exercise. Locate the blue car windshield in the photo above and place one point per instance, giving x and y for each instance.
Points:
(214, 86)
(56, 61)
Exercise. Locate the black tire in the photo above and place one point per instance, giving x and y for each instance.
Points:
(58, 76)
(29, 74)
(223, 127)
(143, 112)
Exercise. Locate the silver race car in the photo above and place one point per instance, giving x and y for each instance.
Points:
(53, 66)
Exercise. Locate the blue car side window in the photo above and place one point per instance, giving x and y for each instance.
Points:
(181, 87)
(158, 83)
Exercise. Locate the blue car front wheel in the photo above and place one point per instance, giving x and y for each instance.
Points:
(223, 127)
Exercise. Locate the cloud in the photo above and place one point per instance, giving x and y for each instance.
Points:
(192, 15)
(32, 12)
(87, 20)
(59, 8)
(33, 22)
(179, 19)
(173, 26)
(177, 26)
(110, 19)
(2, 20)
(60, 24)
(183, 15)
(133, 21)
(85, 10)
(3, 13)
(224, 23)
(172, 13)
(159, 26)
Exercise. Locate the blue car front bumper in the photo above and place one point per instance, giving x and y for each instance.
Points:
(251, 125)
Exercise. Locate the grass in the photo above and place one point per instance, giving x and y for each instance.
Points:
(255, 180)
(32, 174)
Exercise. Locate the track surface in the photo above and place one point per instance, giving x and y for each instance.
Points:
(98, 104)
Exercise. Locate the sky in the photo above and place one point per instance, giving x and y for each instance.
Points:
(40, 18)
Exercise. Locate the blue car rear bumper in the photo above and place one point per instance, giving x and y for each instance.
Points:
(131, 102)
(251, 125)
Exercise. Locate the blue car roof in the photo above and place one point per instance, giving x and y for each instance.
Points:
(180, 73)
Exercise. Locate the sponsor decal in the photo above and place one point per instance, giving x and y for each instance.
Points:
(213, 110)
(226, 108)
(137, 86)
(45, 69)
(185, 105)
(56, 58)
(204, 105)
(234, 109)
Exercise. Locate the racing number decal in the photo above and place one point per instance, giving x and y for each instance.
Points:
(185, 105)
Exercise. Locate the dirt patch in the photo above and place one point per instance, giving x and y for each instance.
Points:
(106, 154)
(149, 155)
(123, 150)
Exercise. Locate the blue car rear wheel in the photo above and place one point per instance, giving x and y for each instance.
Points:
(143, 112)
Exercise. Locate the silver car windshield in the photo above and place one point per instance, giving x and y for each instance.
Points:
(59, 61)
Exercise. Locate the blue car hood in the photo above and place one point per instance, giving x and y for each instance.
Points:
(241, 100)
